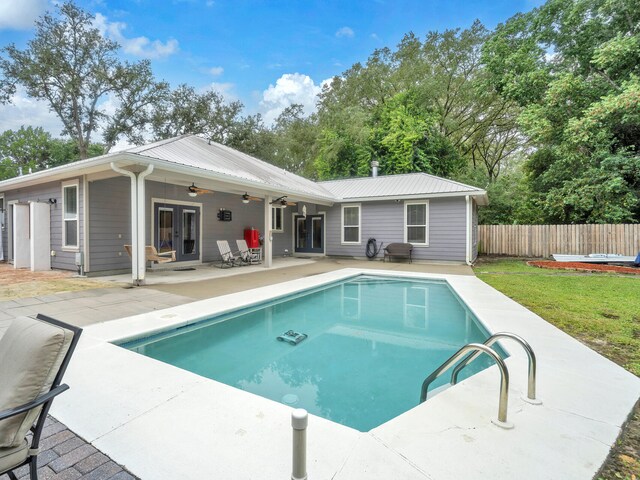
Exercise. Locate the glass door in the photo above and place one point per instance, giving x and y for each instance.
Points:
(178, 229)
(309, 234)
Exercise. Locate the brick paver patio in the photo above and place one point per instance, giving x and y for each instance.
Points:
(65, 456)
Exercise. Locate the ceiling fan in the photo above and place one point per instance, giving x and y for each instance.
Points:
(194, 191)
(283, 201)
(246, 198)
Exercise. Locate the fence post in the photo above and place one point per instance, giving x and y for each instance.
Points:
(299, 421)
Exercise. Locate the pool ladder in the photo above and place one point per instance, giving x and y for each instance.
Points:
(473, 351)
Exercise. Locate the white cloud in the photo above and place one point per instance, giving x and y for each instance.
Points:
(290, 88)
(26, 111)
(20, 15)
(137, 46)
(216, 71)
(345, 32)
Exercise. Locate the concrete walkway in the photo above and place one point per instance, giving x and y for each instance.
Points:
(261, 277)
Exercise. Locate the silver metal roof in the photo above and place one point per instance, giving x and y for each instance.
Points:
(192, 154)
(405, 185)
(193, 151)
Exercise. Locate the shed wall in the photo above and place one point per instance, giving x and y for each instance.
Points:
(64, 260)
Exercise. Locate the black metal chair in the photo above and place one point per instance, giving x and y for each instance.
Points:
(34, 355)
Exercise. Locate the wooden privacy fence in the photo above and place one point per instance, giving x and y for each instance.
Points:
(544, 240)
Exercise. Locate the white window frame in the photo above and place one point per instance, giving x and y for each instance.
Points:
(65, 245)
(426, 225)
(342, 225)
(273, 219)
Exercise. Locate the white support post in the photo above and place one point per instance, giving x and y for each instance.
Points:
(268, 236)
(299, 422)
(138, 256)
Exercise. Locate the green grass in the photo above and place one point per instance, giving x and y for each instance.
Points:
(602, 310)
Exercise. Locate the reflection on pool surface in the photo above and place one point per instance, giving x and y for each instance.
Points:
(371, 342)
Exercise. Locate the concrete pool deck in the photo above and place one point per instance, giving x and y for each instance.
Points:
(163, 422)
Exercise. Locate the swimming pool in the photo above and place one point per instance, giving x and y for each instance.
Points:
(370, 343)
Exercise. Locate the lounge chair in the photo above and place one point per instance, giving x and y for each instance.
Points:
(34, 354)
(398, 250)
(248, 256)
(228, 258)
(152, 254)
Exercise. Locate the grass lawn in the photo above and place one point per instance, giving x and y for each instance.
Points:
(601, 310)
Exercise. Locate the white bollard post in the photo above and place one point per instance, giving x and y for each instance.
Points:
(299, 421)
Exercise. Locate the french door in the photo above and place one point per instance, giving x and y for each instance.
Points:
(177, 227)
(309, 237)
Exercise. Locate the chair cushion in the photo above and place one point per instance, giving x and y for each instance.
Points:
(14, 456)
(31, 352)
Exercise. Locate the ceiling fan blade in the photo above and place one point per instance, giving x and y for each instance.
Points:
(256, 199)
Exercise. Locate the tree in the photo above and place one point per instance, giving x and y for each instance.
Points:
(422, 107)
(31, 149)
(71, 66)
(184, 110)
(573, 66)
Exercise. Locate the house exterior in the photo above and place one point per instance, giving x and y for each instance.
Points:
(81, 215)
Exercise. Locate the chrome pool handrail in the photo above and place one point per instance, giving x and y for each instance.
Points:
(478, 348)
(531, 388)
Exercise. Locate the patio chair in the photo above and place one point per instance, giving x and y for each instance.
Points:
(152, 255)
(246, 254)
(34, 354)
(228, 258)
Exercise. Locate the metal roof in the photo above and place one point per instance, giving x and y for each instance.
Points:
(192, 154)
(193, 151)
(398, 186)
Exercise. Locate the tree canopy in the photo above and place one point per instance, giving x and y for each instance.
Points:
(75, 69)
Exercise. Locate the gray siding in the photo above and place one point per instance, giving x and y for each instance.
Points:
(110, 221)
(244, 216)
(384, 221)
(109, 224)
(64, 260)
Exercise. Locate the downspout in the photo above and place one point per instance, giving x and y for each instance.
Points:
(141, 223)
(469, 226)
(138, 263)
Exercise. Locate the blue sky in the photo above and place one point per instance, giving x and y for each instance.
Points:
(266, 54)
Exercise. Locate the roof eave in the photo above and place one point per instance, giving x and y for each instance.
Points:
(86, 166)
(479, 195)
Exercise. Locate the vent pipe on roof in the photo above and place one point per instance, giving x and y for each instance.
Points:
(19, 171)
(374, 168)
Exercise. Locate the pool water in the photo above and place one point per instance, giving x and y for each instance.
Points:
(371, 341)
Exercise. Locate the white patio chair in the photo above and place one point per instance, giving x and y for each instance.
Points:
(228, 258)
(246, 254)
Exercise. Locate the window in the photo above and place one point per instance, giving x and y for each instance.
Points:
(416, 223)
(351, 224)
(70, 231)
(2, 209)
(276, 219)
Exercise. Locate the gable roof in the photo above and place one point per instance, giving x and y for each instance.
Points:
(196, 152)
(408, 185)
(194, 156)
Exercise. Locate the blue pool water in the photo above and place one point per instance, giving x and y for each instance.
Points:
(371, 343)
